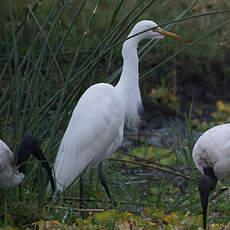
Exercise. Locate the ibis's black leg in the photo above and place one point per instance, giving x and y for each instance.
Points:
(102, 179)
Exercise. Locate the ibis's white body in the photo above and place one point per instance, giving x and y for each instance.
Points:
(9, 175)
(213, 150)
(96, 126)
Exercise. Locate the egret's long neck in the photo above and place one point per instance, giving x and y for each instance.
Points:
(128, 85)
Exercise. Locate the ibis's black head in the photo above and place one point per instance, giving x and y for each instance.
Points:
(206, 184)
(30, 145)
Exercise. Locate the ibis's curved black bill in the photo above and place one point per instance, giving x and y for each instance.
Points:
(30, 145)
(206, 184)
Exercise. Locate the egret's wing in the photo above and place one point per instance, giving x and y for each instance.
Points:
(94, 132)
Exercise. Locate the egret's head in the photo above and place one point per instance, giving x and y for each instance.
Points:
(147, 29)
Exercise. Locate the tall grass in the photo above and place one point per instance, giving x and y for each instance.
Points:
(50, 52)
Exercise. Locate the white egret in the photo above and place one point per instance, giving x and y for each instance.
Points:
(211, 155)
(96, 127)
(10, 176)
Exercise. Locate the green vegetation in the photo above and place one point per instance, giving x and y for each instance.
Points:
(51, 51)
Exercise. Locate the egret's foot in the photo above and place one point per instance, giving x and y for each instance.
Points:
(103, 183)
(113, 202)
(50, 196)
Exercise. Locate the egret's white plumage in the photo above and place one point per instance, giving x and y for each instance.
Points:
(9, 175)
(211, 155)
(93, 133)
(96, 127)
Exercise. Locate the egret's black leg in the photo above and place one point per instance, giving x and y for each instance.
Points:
(102, 179)
(82, 206)
(81, 192)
